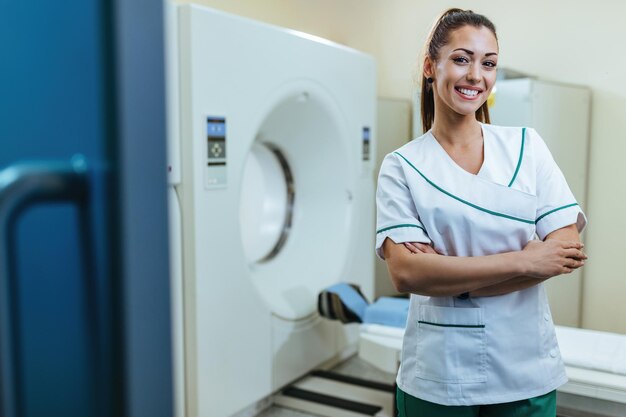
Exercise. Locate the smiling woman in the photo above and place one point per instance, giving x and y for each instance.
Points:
(470, 45)
(457, 212)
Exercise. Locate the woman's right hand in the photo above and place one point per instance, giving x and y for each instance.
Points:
(546, 259)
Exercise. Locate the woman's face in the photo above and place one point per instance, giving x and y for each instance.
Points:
(465, 71)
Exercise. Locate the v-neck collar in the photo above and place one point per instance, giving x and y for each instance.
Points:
(452, 162)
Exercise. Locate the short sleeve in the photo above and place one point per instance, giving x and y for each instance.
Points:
(396, 215)
(556, 205)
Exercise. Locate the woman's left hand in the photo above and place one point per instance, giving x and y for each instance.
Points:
(417, 247)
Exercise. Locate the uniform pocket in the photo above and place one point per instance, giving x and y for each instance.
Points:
(451, 345)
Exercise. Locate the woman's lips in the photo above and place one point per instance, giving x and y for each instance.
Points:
(467, 97)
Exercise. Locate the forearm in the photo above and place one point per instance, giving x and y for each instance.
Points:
(568, 233)
(506, 287)
(436, 275)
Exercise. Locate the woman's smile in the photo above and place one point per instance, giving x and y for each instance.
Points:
(468, 93)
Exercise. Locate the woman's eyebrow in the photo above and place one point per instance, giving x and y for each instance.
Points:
(472, 52)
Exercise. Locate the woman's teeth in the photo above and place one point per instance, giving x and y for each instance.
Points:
(467, 92)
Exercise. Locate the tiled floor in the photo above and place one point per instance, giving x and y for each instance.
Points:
(361, 369)
(352, 367)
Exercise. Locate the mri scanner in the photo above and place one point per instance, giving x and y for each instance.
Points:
(271, 184)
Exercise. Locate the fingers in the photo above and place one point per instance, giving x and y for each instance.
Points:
(571, 244)
(411, 247)
(425, 248)
(574, 263)
(575, 253)
(571, 265)
(417, 247)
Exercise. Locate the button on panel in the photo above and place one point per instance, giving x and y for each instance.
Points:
(217, 149)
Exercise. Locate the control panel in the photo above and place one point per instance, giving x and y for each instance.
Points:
(216, 162)
(366, 143)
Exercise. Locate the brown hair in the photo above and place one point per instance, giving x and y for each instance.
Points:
(449, 21)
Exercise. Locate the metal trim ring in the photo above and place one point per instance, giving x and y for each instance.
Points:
(290, 202)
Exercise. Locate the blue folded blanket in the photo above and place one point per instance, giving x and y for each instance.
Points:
(346, 303)
(388, 311)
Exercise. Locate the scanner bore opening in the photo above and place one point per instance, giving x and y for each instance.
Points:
(268, 185)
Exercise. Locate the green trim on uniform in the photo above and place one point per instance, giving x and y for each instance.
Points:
(521, 154)
(399, 225)
(553, 210)
(494, 213)
(541, 406)
(469, 326)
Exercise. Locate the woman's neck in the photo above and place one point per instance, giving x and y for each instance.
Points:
(455, 129)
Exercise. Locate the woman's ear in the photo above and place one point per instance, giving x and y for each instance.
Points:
(428, 67)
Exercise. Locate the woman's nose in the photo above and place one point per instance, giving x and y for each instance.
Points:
(473, 72)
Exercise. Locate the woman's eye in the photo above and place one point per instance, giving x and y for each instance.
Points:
(460, 60)
(490, 64)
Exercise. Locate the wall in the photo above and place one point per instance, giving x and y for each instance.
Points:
(551, 40)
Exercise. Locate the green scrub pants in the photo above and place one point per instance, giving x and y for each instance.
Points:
(542, 406)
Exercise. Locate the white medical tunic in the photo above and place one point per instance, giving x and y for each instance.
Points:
(480, 350)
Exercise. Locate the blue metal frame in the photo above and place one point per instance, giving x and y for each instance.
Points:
(89, 294)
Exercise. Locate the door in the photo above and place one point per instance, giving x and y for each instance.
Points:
(84, 286)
